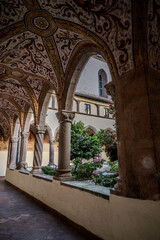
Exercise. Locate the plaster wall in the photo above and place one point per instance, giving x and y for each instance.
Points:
(115, 219)
(3, 162)
(96, 122)
(52, 120)
(88, 81)
(45, 156)
(74, 108)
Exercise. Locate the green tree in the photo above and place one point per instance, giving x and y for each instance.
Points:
(83, 145)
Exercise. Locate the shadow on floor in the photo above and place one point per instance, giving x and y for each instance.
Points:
(23, 219)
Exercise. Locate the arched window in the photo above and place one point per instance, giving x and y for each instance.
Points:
(102, 78)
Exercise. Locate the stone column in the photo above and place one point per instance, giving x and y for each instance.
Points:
(38, 149)
(13, 156)
(23, 151)
(9, 153)
(65, 118)
(18, 150)
(98, 109)
(78, 104)
(51, 154)
(110, 89)
(137, 101)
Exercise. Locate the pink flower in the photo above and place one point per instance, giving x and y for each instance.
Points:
(94, 172)
(97, 160)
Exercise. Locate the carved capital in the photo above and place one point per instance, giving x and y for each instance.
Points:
(24, 135)
(52, 141)
(14, 139)
(65, 116)
(110, 89)
(40, 129)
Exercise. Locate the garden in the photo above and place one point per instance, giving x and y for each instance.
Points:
(86, 163)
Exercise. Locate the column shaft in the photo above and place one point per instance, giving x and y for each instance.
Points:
(38, 149)
(13, 155)
(138, 134)
(64, 171)
(51, 154)
(23, 150)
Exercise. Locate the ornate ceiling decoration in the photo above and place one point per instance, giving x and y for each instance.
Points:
(109, 20)
(5, 125)
(154, 34)
(39, 39)
(11, 12)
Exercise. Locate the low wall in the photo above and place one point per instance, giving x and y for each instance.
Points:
(116, 219)
(3, 163)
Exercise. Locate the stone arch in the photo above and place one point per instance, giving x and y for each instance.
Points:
(43, 105)
(83, 53)
(56, 132)
(49, 131)
(91, 127)
(16, 128)
(13, 147)
(32, 127)
(2, 132)
(27, 120)
(109, 128)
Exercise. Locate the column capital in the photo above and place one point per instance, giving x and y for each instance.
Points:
(14, 139)
(52, 141)
(40, 129)
(110, 89)
(65, 116)
(24, 134)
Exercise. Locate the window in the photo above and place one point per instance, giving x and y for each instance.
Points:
(100, 85)
(87, 108)
(102, 80)
(106, 112)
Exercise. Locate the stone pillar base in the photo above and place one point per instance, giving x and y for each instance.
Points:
(22, 166)
(117, 190)
(12, 166)
(64, 175)
(37, 170)
(52, 166)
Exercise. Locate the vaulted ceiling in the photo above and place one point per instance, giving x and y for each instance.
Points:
(39, 38)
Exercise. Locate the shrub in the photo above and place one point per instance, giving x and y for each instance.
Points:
(114, 166)
(85, 170)
(49, 171)
(103, 180)
(83, 146)
(108, 140)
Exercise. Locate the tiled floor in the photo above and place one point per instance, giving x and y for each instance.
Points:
(23, 219)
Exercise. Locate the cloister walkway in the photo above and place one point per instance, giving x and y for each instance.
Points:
(21, 218)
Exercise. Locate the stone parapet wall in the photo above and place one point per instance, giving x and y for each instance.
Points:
(115, 219)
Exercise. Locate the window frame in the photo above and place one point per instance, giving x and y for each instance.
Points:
(87, 108)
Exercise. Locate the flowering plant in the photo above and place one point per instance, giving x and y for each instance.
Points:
(86, 170)
(108, 140)
(112, 110)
